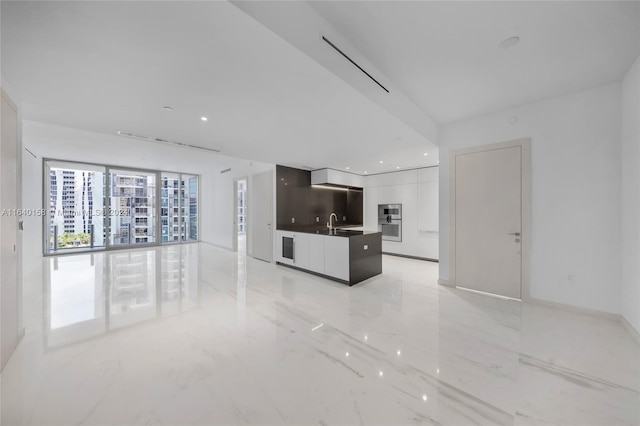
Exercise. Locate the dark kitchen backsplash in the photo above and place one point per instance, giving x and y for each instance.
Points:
(297, 199)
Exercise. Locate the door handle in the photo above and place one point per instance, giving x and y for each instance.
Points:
(517, 234)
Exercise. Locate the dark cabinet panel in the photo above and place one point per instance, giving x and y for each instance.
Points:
(296, 198)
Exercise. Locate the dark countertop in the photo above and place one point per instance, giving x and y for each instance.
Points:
(323, 230)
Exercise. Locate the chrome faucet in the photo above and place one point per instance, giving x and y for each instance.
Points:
(330, 224)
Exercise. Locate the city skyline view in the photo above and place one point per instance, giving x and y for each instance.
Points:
(90, 207)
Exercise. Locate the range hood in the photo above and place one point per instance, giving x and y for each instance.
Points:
(337, 179)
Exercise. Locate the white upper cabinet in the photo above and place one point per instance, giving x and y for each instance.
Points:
(371, 208)
(387, 179)
(429, 174)
(428, 224)
(391, 194)
(371, 181)
(417, 191)
(409, 176)
(410, 219)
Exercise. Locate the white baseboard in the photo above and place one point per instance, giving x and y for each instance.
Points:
(591, 312)
(631, 329)
(217, 246)
(446, 283)
(574, 309)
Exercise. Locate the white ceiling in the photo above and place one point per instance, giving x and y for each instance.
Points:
(109, 66)
(445, 56)
(56, 142)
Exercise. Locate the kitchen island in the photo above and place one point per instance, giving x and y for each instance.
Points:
(343, 255)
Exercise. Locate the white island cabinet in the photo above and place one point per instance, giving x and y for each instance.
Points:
(316, 253)
(345, 256)
(336, 257)
(300, 256)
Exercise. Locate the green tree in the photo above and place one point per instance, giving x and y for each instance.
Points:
(73, 240)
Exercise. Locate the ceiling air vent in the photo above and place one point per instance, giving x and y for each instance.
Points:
(326, 40)
(165, 141)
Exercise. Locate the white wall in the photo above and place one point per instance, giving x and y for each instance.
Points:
(216, 190)
(32, 235)
(576, 194)
(14, 326)
(218, 202)
(631, 196)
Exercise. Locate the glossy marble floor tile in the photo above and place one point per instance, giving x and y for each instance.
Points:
(196, 335)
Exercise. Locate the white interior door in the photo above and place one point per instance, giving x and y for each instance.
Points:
(9, 232)
(488, 221)
(261, 193)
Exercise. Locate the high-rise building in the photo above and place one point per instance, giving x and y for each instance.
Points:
(75, 199)
(193, 209)
(133, 207)
(170, 208)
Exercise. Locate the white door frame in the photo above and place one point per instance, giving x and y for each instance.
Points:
(17, 333)
(525, 145)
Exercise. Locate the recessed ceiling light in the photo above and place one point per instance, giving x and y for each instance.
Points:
(510, 42)
(167, 108)
(381, 161)
(203, 118)
(365, 172)
(347, 167)
(397, 167)
(425, 154)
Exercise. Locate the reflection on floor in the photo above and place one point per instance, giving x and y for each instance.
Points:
(193, 334)
(89, 295)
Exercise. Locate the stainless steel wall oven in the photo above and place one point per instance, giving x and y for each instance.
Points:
(390, 221)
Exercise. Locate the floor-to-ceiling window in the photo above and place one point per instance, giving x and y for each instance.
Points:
(241, 211)
(170, 207)
(132, 207)
(190, 207)
(96, 207)
(74, 206)
(242, 206)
